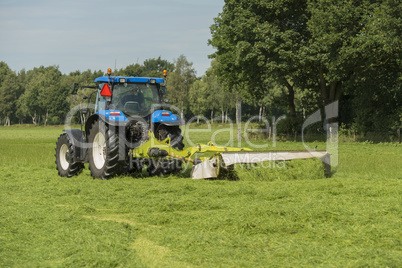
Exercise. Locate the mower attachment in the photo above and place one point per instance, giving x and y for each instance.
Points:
(223, 158)
(210, 168)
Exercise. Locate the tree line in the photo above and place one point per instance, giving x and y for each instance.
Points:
(41, 96)
(37, 96)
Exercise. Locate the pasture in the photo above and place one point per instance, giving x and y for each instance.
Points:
(290, 216)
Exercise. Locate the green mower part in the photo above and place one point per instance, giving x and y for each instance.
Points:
(223, 157)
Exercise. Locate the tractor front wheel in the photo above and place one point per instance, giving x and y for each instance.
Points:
(65, 164)
(104, 151)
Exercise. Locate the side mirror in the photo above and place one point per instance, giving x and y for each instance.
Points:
(74, 88)
(163, 90)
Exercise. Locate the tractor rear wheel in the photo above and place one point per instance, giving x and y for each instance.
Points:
(173, 132)
(65, 164)
(104, 151)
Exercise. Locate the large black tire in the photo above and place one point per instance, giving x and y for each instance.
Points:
(103, 154)
(65, 165)
(173, 132)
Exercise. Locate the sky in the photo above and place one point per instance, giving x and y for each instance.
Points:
(98, 34)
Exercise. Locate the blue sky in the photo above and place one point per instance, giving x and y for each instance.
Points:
(89, 34)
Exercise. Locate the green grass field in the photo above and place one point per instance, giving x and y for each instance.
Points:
(291, 216)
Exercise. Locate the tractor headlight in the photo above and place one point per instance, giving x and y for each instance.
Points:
(153, 81)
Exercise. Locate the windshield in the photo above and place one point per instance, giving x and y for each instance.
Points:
(135, 98)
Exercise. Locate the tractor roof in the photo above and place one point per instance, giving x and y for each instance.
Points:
(117, 79)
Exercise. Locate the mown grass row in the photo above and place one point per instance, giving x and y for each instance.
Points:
(271, 216)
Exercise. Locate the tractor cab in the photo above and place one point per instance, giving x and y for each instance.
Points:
(133, 96)
(120, 97)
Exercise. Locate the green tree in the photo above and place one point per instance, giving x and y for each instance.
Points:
(259, 42)
(350, 38)
(58, 105)
(10, 91)
(150, 68)
(355, 49)
(136, 70)
(179, 83)
(155, 67)
(323, 46)
(21, 113)
(198, 96)
(219, 98)
(43, 94)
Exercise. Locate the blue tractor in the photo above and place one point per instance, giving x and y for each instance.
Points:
(126, 110)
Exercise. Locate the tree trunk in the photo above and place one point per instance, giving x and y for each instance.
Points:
(83, 119)
(198, 119)
(263, 111)
(212, 116)
(269, 133)
(292, 107)
(260, 114)
(34, 118)
(223, 116)
(329, 94)
(291, 100)
(324, 96)
(46, 117)
(238, 121)
(182, 110)
(7, 121)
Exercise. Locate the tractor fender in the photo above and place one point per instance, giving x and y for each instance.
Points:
(90, 121)
(102, 117)
(166, 118)
(77, 138)
(114, 123)
(75, 135)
